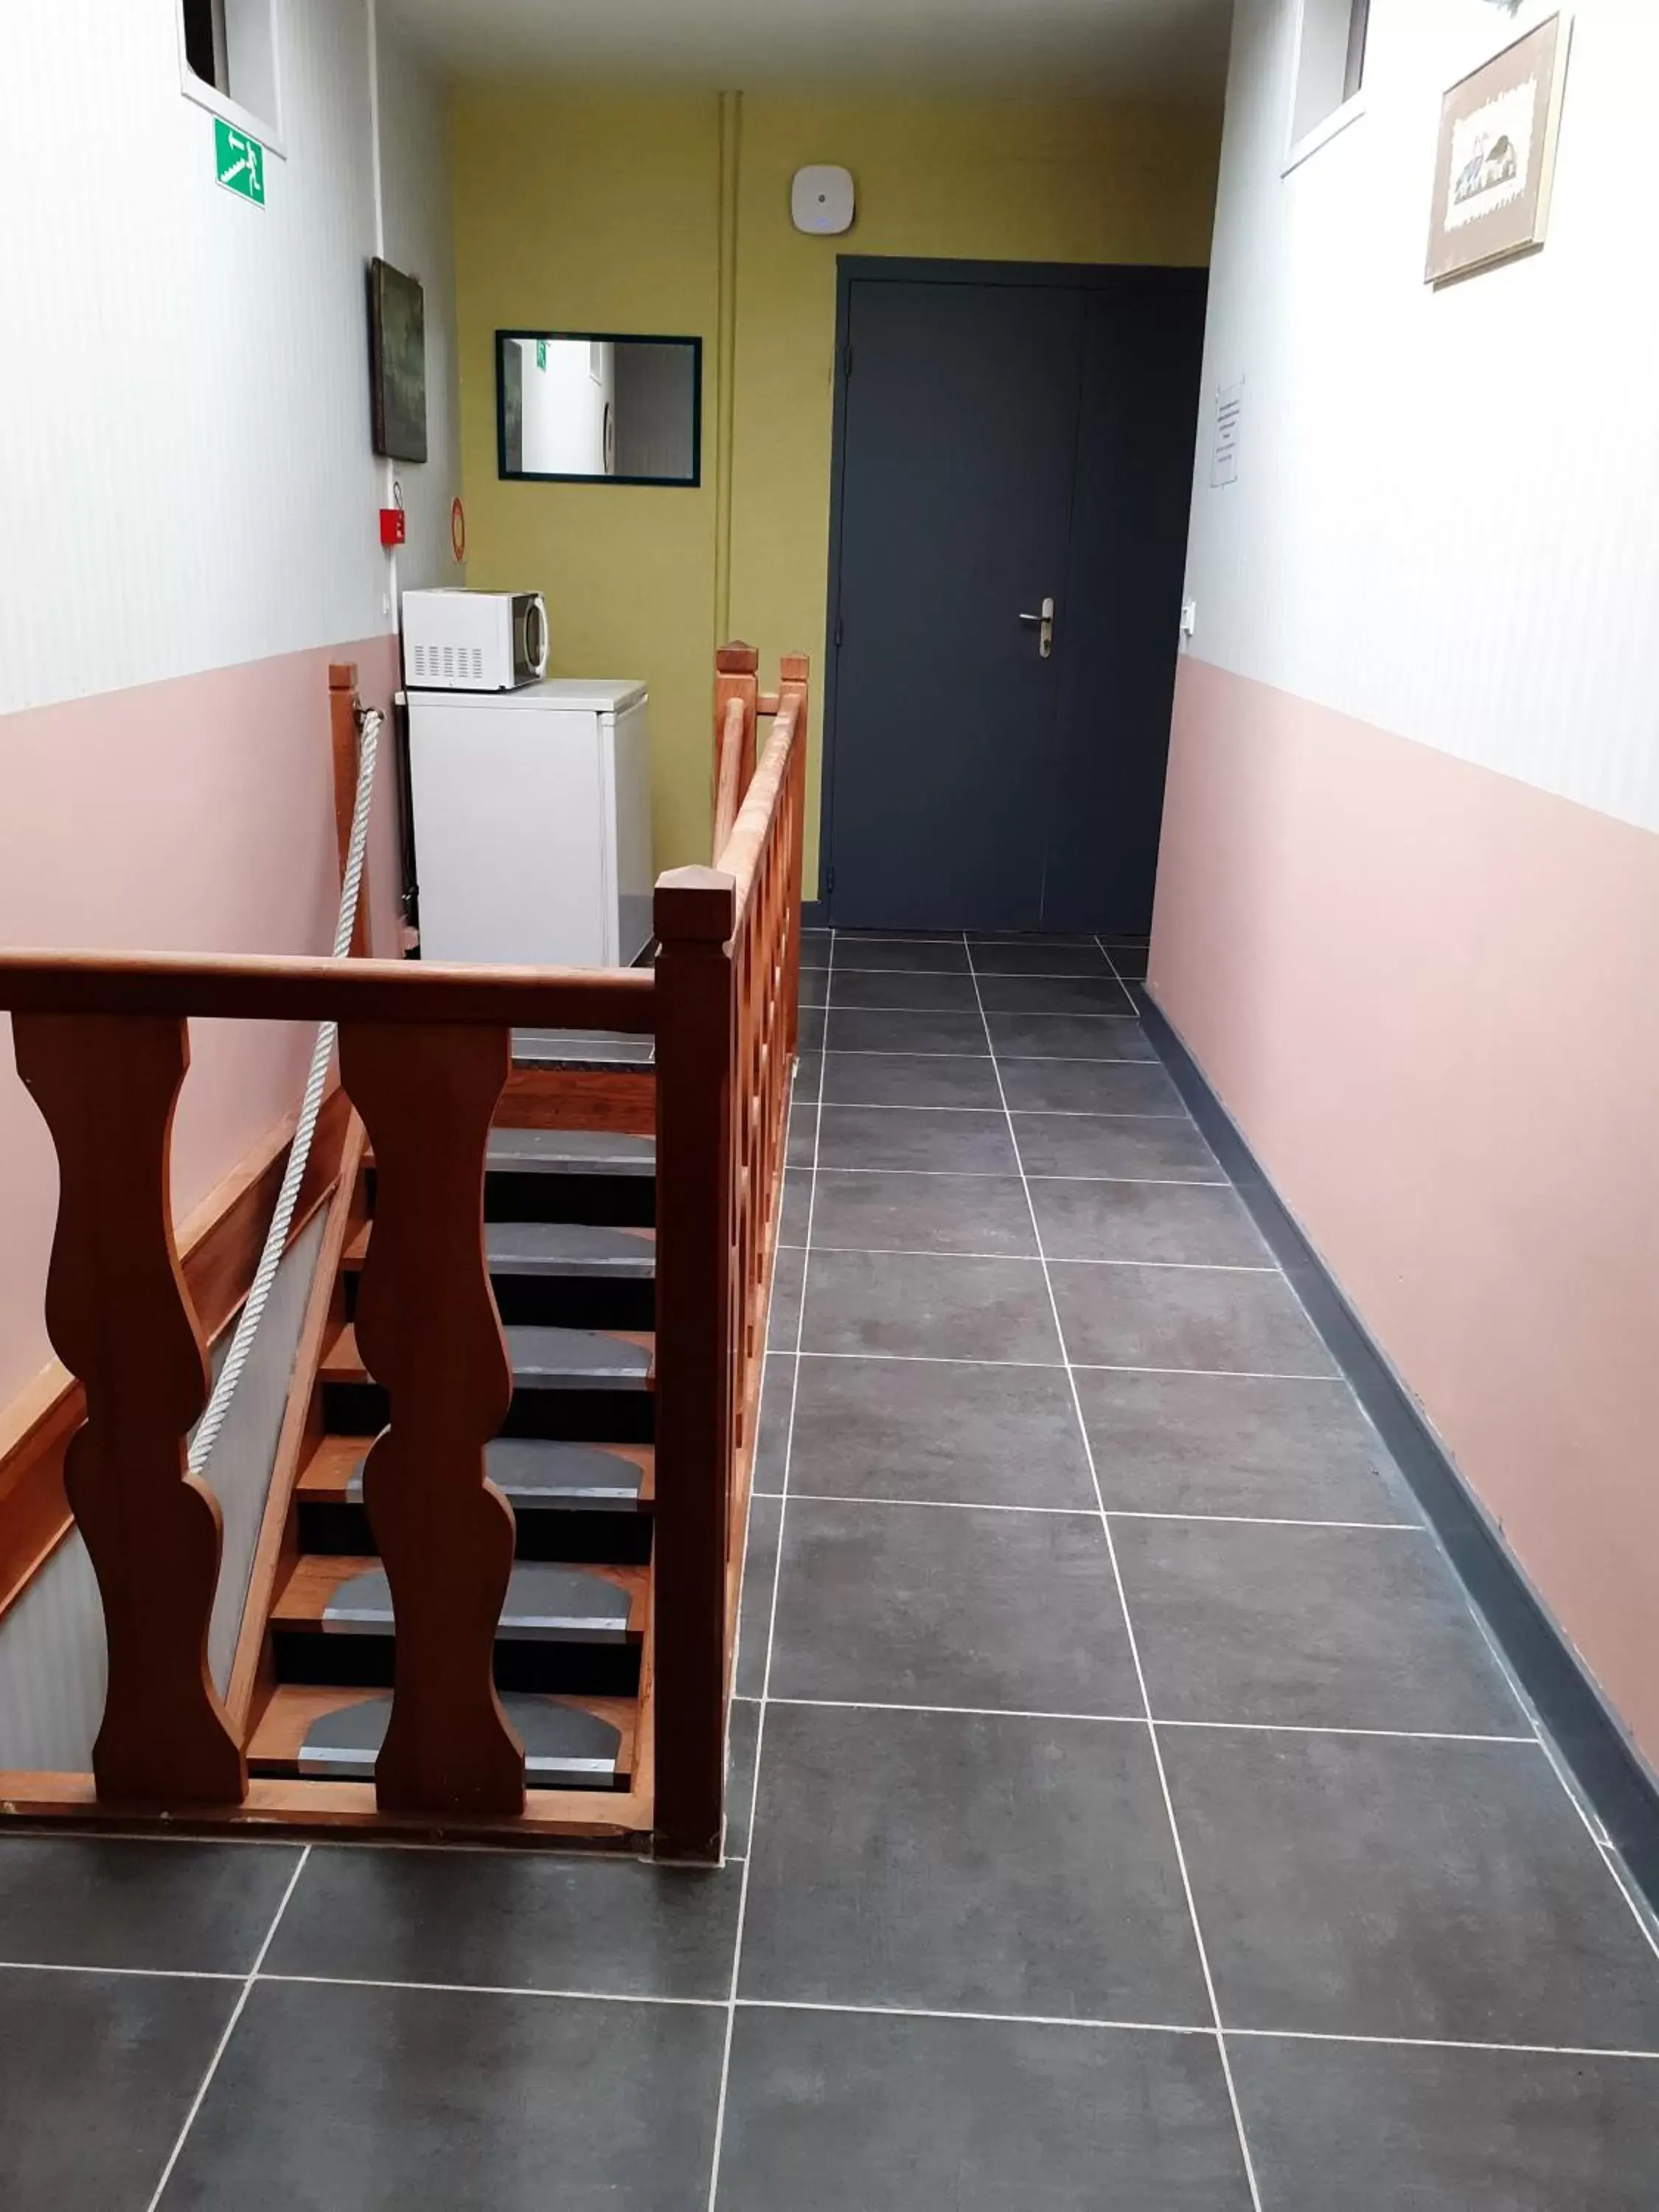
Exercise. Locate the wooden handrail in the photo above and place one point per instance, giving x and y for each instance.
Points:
(268, 987)
(735, 703)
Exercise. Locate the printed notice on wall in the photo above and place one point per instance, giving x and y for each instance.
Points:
(1229, 413)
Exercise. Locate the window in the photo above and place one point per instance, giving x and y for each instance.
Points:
(227, 53)
(1330, 62)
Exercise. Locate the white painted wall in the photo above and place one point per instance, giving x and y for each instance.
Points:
(1446, 521)
(186, 477)
(564, 406)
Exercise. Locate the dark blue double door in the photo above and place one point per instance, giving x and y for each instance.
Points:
(1005, 436)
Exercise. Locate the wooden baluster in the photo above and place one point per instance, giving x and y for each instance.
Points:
(793, 672)
(697, 1325)
(736, 678)
(121, 1318)
(429, 1333)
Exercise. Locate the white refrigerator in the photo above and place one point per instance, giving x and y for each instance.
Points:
(532, 816)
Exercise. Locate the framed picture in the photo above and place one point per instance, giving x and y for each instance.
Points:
(397, 344)
(1497, 158)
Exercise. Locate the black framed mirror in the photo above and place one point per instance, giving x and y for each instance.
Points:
(598, 406)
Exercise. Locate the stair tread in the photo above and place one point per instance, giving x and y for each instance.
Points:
(582, 1048)
(333, 1733)
(571, 1151)
(542, 1357)
(338, 1596)
(553, 1249)
(530, 1471)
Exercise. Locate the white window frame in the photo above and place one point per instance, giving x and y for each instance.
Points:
(266, 129)
(1298, 151)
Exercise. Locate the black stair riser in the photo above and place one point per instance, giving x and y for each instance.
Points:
(322, 1659)
(565, 1301)
(619, 1201)
(582, 1536)
(604, 1417)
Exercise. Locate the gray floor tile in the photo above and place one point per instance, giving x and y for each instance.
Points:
(772, 1441)
(912, 955)
(1080, 1086)
(833, 2113)
(898, 1212)
(814, 987)
(1309, 1628)
(877, 1078)
(797, 1206)
(929, 1606)
(900, 1428)
(1374, 2129)
(1373, 1886)
(906, 1032)
(329, 2098)
(742, 1744)
(131, 1901)
(1193, 1224)
(808, 1073)
(1054, 994)
(97, 2073)
(965, 1140)
(814, 950)
(1019, 959)
(527, 1920)
(966, 1862)
(1124, 1147)
(755, 1608)
(928, 1309)
(1129, 960)
(1238, 1443)
(923, 990)
(1068, 1036)
(783, 1316)
(1190, 1318)
(810, 1036)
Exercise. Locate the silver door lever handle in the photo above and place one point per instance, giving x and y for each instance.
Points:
(1044, 624)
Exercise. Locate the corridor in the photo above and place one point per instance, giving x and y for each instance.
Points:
(1141, 1818)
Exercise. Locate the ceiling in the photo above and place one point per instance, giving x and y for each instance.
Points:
(1161, 50)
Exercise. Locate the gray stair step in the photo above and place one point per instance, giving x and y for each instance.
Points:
(535, 1471)
(576, 1359)
(568, 1248)
(564, 1747)
(570, 1152)
(544, 1605)
(582, 1048)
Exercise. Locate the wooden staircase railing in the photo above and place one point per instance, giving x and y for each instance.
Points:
(102, 1042)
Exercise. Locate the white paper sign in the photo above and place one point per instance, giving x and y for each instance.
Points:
(1229, 414)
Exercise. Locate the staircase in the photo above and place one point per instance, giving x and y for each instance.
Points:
(571, 1249)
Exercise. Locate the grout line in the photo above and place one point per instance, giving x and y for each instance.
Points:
(1092, 1512)
(136, 1973)
(237, 2010)
(771, 1638)
(994, 2019)
(1020, 1112)
(1022, 1258)
(1081, 1366)
(1445, 2042)
(493, 1990)
(1134, 1651)
(1146, 1720)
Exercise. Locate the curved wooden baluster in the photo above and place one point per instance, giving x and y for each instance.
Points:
(121, 1318)
(429, 1332)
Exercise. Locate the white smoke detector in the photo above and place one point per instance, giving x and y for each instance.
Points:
(821, 200)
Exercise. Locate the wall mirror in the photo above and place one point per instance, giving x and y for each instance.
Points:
(572, 405)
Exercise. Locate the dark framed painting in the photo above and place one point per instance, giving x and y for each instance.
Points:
(397, 344)
(1497, 155)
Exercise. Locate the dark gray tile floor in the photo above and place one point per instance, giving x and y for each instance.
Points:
(1126, 1807)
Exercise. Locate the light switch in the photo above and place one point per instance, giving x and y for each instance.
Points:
(1188, 618)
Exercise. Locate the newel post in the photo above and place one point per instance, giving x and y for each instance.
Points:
(697, 1315)
(120, 1319)
(737, 676)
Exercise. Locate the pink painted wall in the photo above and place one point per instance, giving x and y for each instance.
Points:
(1429, 996)
(194, 814)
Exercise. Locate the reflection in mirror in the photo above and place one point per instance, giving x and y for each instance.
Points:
(570, 406)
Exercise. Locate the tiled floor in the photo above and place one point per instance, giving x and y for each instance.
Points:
(1142, 1819)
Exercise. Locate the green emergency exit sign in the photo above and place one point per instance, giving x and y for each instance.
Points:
(240, 161)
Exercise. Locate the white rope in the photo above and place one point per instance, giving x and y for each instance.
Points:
(299, 1151)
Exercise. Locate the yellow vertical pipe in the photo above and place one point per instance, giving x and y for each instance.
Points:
(726, 349)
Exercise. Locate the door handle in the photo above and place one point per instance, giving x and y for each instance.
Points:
(1043, 624)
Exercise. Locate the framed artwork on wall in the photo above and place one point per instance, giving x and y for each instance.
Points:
(397, 339)
(1497, 155)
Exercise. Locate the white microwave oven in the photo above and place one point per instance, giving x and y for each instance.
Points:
(458, 641)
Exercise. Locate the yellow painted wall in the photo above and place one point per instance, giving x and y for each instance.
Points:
(602, 210)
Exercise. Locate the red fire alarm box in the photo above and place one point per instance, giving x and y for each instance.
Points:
(393, 525)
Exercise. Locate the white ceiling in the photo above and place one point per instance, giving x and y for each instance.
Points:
(1165, 50)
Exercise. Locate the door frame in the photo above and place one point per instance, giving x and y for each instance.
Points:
(1130, 279)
